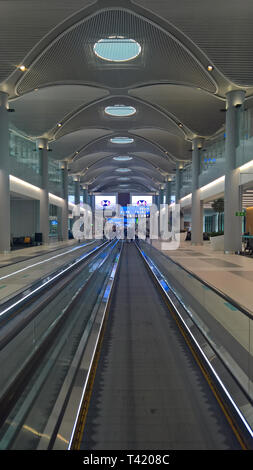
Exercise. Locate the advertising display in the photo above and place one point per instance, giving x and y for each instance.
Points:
(105, 202)
(141, 201)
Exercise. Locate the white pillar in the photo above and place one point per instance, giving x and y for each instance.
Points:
(232, 197)
(42, 145)
(77, 191)
(178, 181)
(197, 206)
(161, 196)
(168, 192)
(85, 194)
(77, 196)
(92, 202)
(65, 208)
(156, 199)
(4, 175)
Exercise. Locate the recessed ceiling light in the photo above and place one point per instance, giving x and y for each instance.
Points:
(59, 124)
(210, 68)
(23, 68)
(121, 140)
(120, 110)
(117, 49)
(122, 158)
(180, 124)
(123, 170)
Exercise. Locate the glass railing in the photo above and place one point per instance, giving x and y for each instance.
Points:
(186, 181)
(212, 160)
(24, 159)
(227, 326)
(55, 184)
(244, 149)
(212, 154)
(25, 163)
(71, 189)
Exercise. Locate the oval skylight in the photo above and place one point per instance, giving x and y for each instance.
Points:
(123, 178)
(121, 140)
(117, 49)
(120, 110)
(123, 170)
(122, 158)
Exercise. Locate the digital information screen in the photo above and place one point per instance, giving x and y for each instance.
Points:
(141, 201)
(105, 202)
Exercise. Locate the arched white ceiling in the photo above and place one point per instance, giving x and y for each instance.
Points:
(175, 96)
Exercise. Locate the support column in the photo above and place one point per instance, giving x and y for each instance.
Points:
(44, 202)
(65, 208)
(168, 192)
(60, 221)
(178, 181)
(232, 197)
(161, 196)
(92, 202)
(77, 196)
(92, 206)
(77, 190)
(156, 199)
(5, 234)
(85, 194)
(197, 206)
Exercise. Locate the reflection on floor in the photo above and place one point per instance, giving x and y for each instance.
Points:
(23, 254)
(17, 272)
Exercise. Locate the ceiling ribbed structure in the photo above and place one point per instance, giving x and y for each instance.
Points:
(162, 56)
(40, 112)
(31, 21)
(66, 85)
(221, 29)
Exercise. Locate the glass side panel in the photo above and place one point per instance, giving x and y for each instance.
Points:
(29, 415)
(55, 185)
(24, 159)
(226, 326)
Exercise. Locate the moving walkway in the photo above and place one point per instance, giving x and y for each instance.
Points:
(107, 363)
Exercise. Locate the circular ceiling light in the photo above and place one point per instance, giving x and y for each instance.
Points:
(117, 49)
(121, 140)
(120, 110)
(123, 158)
(22, 68)
(123, 170)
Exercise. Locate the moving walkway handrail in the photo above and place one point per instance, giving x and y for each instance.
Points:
(59, 284)
(206, 284)
(224, 354)
(92, 349)
(238, 400)
(31, 292)
(20, 380)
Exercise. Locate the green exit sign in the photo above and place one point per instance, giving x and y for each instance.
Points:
(240, 214)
